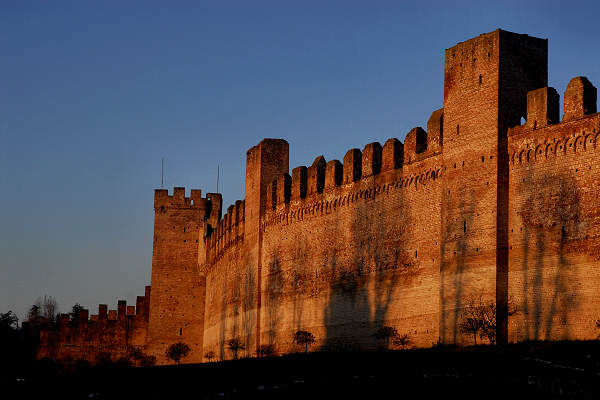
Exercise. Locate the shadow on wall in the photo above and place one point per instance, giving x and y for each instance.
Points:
(550, 215)
(455, 244)
(238, 296)
(364, 265)
(274, 291)
(362, 259)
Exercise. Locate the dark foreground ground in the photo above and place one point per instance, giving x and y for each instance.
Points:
(559, 370)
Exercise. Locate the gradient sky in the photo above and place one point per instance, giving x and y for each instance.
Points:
(93, 94)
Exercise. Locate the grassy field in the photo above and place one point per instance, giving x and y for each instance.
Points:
(548, 370)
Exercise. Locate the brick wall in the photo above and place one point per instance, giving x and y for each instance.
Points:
(401, 234)
(554, 217)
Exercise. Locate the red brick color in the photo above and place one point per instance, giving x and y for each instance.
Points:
(400, 235)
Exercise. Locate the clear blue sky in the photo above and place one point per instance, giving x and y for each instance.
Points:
(93, 94)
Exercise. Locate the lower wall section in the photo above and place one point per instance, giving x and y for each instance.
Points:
(230, 303)
(554, 267)
(363, 258)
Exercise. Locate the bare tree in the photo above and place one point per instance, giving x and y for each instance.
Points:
(470, 325)
(402, 340)
(305, 338)
(49, 308)
(479, 318)
(177, 351)
(235, 345)
(209, 355)
(387, 333)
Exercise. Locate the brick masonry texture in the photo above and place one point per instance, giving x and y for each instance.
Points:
(399, 234)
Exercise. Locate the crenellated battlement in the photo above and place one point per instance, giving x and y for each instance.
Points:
(139, 312)
(109, 330)
(330, 201)
(543, 105)
(543, 136)
(307, 184)
(229, 230)
(209, 206)
(401, 234)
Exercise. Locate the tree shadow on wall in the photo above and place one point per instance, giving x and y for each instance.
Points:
(274, 291)
(454, 249)
(551, 227)
(363, 264)
(288, 287)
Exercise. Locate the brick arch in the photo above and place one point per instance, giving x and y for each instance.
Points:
(560, 146)
(539, 152)
(596, 139)
(529, 154)
(589, 142)
(549, 150)
(579, 144)
(521, 156)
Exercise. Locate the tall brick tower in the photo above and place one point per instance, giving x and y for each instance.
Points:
(486, 80)
(177, 296)
(265, 162)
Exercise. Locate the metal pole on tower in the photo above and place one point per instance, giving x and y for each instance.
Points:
(217, 178)
(162, 173)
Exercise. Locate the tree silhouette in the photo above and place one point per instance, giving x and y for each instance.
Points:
(147, 361)
(479, 318)
(75, 315)
(177, 351)
(471, 325)
(209, 355)
(401, 340)
(387, 333)
(8, 321)
(305, 338)
(235, 345)
(136, 354)
(265, 350)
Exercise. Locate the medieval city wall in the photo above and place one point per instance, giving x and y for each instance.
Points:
(230, 310)
(402, 235)
(554, 217)
(110, 332)
(358, 256)
(177, 311)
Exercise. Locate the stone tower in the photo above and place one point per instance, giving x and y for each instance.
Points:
(177, 297)
(486, 80)
(265, 162)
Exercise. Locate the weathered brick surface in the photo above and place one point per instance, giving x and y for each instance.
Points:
(555, 227)
(177, 300)
(357, 257)
(486, 82)
(98, 334)
(401, 234)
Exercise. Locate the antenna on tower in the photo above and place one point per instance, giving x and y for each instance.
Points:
(217, 178)
(162, 173)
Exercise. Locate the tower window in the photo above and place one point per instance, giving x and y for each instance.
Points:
(180, 331)
(480, 79)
